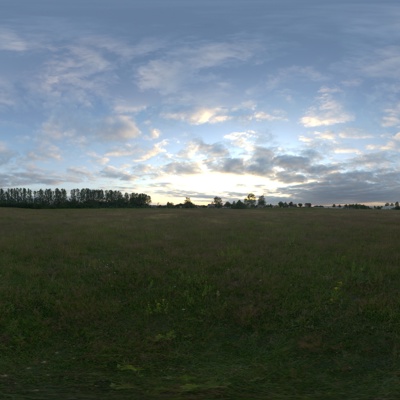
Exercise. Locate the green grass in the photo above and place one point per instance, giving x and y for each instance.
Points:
(199, 304)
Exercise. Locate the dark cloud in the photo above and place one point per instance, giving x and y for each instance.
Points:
(261, 161)
(348, 187)
(292, 162)
(290, 177)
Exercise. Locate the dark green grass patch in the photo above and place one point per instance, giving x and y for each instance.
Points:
(199, 304)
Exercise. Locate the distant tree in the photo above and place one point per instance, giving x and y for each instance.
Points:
(300, 204)
(239, 204)
(217, 202)
(139, 200)
(228, 205)
(250, 200)
(188, 203)
(261, 201)
(170, 205)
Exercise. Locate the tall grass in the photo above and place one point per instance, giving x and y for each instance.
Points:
(199, 304)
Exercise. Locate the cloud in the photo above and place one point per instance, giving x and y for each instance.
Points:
(260, 162)
(7, 95)
(45, 151)
(161, 75)
(326, 135)
(203, 115)
(297, 163)
(5, 154)
(290, 177)
(117, 128)
(10, 41)
(198, 146)
(155, 133)
(200, 116)
(244, 140)
(284, 75)
(184, 64)
(116, 173)
(125, 150)
(181, 168)
(80, 173)
(102, 160)
(346, 150)
(392, 117)
(126, 108)
(32, 175)
(256, 162)
(348, 188)
(383, 63)
(53, 130)
(230, 165)
(354, 133)
(277, 115)
(121, 49)
(375, 161)
(75, 72)
(154, 151)
(327, 112)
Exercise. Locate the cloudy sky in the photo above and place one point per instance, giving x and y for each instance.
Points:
(298, 100)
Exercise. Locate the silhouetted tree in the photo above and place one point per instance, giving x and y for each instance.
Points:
(217, 202)
(188, 203)
(250, 200)
(261, 201)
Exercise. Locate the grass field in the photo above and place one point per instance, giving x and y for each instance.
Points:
(199, 304)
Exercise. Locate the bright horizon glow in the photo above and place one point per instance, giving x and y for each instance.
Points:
(296, 101)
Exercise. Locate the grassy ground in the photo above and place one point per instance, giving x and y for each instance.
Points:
(199, 304)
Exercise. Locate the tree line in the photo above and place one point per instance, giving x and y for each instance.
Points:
(78, 198)
(252, 202)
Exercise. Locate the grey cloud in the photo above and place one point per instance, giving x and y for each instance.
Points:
(209, 150)
(376, 160)
(116, 173)
(117, 128)
(80, 173)
(261, 161)
(181, 168)
(230, 165)
(348, 187)
(292, 162)
(290, 177)
(35, 176)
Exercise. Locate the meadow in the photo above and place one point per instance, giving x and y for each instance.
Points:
(199, 304)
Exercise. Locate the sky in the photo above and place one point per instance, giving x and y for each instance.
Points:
(296, 100)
